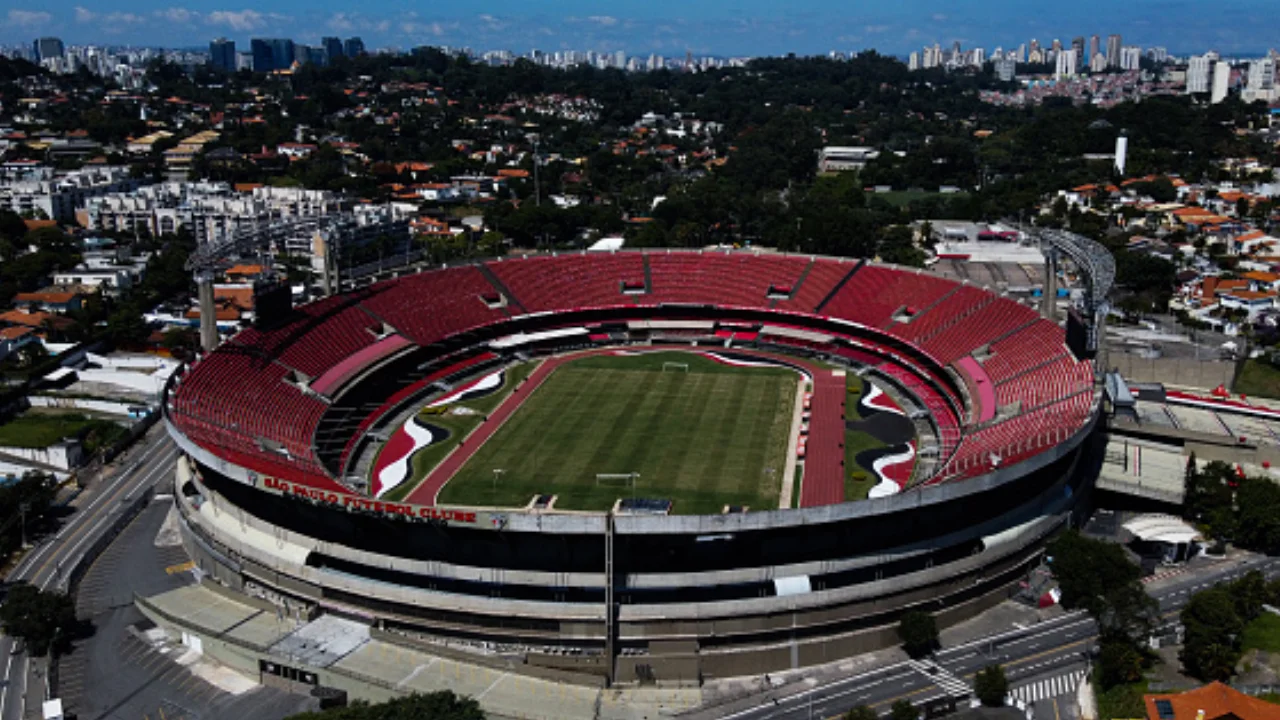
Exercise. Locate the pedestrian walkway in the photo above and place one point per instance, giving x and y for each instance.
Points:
(1048, 688)
(941, 677)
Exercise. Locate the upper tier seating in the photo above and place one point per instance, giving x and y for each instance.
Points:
(553, 283)
(741, 279)
(874, 293)
(1035, 343)
(821, 280)
(431, 306)
(320, 336)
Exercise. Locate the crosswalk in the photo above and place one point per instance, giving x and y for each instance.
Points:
(941, 677)
(1049, 687)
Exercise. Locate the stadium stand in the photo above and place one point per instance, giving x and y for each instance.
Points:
(245, 403)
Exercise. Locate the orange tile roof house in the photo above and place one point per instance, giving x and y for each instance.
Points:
(58, 302)
(1214, 701)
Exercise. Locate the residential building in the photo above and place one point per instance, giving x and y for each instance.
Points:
(56, 301)
(1098, 63)
(913, 61)
(1113, 51)
(210, 211)
(222, 55)
(1006, 69)
(58, 197)
(1095, 46)
(1077, 44)
(1200, 73)
(835, 159)
(1214, 701)
(1130, 58)
(1221, 82)
(1261, 82)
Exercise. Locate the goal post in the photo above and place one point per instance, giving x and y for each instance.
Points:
(675, 367)
(617, 479)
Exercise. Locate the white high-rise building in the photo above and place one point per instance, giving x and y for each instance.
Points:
(913, 61)
(1262, 75)
(1130, 57)
(977, 57)
(1200, 72)
(1221, 81)
(1067, 63)
(1098, 63)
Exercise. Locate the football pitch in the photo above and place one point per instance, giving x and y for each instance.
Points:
(705, 437)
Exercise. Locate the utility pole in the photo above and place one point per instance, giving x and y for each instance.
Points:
(22, 511)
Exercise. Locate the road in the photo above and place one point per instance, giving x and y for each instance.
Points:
(1037, 660)
(149, 462)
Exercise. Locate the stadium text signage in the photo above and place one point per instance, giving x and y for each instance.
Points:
(358, 503)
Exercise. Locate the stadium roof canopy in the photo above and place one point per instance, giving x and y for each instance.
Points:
(1161, 528)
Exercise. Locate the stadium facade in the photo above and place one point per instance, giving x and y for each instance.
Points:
(275, 422)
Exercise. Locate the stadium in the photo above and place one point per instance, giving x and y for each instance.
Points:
(644, 465)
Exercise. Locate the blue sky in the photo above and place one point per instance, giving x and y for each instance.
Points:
(725, 27)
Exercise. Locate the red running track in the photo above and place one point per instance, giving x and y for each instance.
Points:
(823, 481)
(429, 488)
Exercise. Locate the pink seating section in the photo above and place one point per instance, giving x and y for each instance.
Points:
(545, 283)
(738, 279)
(240, 396)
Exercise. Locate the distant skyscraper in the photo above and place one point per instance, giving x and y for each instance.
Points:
(1113, 51)
(48, 47)
(620, 59)
(332, 47)
(271, 54)
(222, 55)
(1262, 75)
(1095, 46)
(353, 47)
(1067, 63)
(1077, 44)
(1005, 69)
(913, 61)
(1122, 152)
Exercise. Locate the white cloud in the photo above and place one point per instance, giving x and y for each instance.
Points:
(605, 20)
(341, 22)
(178, 15)
(27, 18)
(243, 20)
(84, 15)
(124, 18)
(875, 29)
(939, 17)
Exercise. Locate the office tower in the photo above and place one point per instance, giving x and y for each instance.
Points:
(1113, 51)
(301, 54)
(271, 54)
(353, 47)
(332, 47)
(1077, 44)
(1130, 58)
(977, 57)
(1199, 70)
(1095, 46)
(1221, 81)
(1067, 63)
(48, 47)
(1056, 46)
(222, 55)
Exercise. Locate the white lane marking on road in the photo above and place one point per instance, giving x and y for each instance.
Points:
(1055, 686)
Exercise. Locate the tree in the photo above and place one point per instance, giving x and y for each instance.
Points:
(1097, 577)
(918, 632)
(1258, 515)
(861, 712)
(991, 686)
(441, 705)
(1212, 635)
(1119, 663)
(904, 710)
(44, 621)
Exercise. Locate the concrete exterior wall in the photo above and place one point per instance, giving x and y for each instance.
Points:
(1205, 374)
(63, 455)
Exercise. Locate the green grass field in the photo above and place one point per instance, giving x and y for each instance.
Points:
(1259, 378)
(703, 438)
(1263, 633)
(34, 430)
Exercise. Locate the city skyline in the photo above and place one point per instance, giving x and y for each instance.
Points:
(1238, 27)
